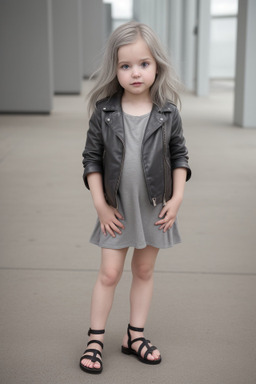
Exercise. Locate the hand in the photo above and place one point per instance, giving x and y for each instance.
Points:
(109, 222)
(168, 214)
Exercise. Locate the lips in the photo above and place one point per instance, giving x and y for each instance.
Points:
(137, 83)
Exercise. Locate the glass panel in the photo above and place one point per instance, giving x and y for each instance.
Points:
(121, 9)
(223, 47)
(224, 7)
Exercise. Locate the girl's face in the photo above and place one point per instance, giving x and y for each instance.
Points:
(136, 68)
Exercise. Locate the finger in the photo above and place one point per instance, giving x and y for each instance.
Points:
(162, 228)
(168, 226)
(162, 221)
(118, 214)
(163, 212)
(115, 228)
(118, 223)
(109, 230)
(103, 230)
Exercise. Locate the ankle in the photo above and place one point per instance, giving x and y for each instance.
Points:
(96, 337)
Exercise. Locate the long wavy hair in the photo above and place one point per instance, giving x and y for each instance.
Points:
(166, 85)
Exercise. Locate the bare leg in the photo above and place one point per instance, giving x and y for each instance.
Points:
(112, 263)
(143, 263)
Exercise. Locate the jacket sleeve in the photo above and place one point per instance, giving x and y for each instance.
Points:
(94, 148)
(178, 149)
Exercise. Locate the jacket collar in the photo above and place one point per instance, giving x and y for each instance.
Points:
(114, 118)
(113, 103)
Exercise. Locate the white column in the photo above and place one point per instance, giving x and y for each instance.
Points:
(26, 74)
(245, 111)
(161, 21)
(203, 51)
(144, 12)
(67, 46)
(189, 43)
(154, 13)
(107, 20)
(175, 33)
(93, 35)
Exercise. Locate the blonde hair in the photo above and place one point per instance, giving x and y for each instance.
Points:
(166, 85)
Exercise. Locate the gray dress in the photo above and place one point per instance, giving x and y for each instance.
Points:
(133, 202)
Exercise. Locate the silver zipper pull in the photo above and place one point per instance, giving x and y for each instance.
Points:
(154, 201)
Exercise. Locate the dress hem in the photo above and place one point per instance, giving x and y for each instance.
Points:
(142, 246)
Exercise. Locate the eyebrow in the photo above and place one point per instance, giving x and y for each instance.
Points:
(127, 61)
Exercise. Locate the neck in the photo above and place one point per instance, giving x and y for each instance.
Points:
(136, 104)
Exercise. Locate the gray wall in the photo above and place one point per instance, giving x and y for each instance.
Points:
(47, 46)
(67, 45)
(244, 105)
(26, 81)
(93, 35)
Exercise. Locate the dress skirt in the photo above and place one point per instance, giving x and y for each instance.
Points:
(133, 201)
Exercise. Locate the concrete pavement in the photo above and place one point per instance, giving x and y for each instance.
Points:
(203, 311)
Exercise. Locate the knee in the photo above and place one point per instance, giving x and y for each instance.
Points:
(142, 271)
(110, 277)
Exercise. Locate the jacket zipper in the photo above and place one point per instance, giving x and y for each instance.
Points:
(121, 170)
(165, 148)
(153, 198)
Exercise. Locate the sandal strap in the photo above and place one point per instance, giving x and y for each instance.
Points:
(94, 351)
(138, 339)
(149, 351)
(144, 344)
(96, 332)
(95, 341)
(130, 327)
(93, 358)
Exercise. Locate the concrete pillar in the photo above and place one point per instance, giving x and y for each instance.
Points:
(26, 74)
(93, 35)
(144, 12)
(203, 50)
(107, 20)
(161, 21)
(245, 111)
(67, 46)
(154, 13)
(189, 44)
(175, 33)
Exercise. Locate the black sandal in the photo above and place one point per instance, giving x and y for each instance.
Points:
(145, 343)
(95, 352)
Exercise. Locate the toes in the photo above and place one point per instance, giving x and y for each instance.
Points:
(84, 362)
(90, 364)
(156, 355)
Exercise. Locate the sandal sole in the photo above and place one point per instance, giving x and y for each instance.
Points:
(129, 351)
(93, 371)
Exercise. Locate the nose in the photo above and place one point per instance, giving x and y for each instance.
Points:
(135, 72)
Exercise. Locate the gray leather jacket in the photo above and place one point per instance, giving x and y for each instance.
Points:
(163, 149)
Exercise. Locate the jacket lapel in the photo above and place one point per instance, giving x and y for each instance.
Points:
(113, 115)
(155, 121)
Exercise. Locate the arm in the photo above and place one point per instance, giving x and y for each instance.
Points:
(108, 215)
(94, 147)
(177, 145)
(169, 212)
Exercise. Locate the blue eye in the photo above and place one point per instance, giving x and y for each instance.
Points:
(144, 64)
(125, 66)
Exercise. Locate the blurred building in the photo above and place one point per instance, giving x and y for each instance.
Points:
(50, 46)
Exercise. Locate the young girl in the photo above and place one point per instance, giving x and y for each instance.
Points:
(135, 165)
